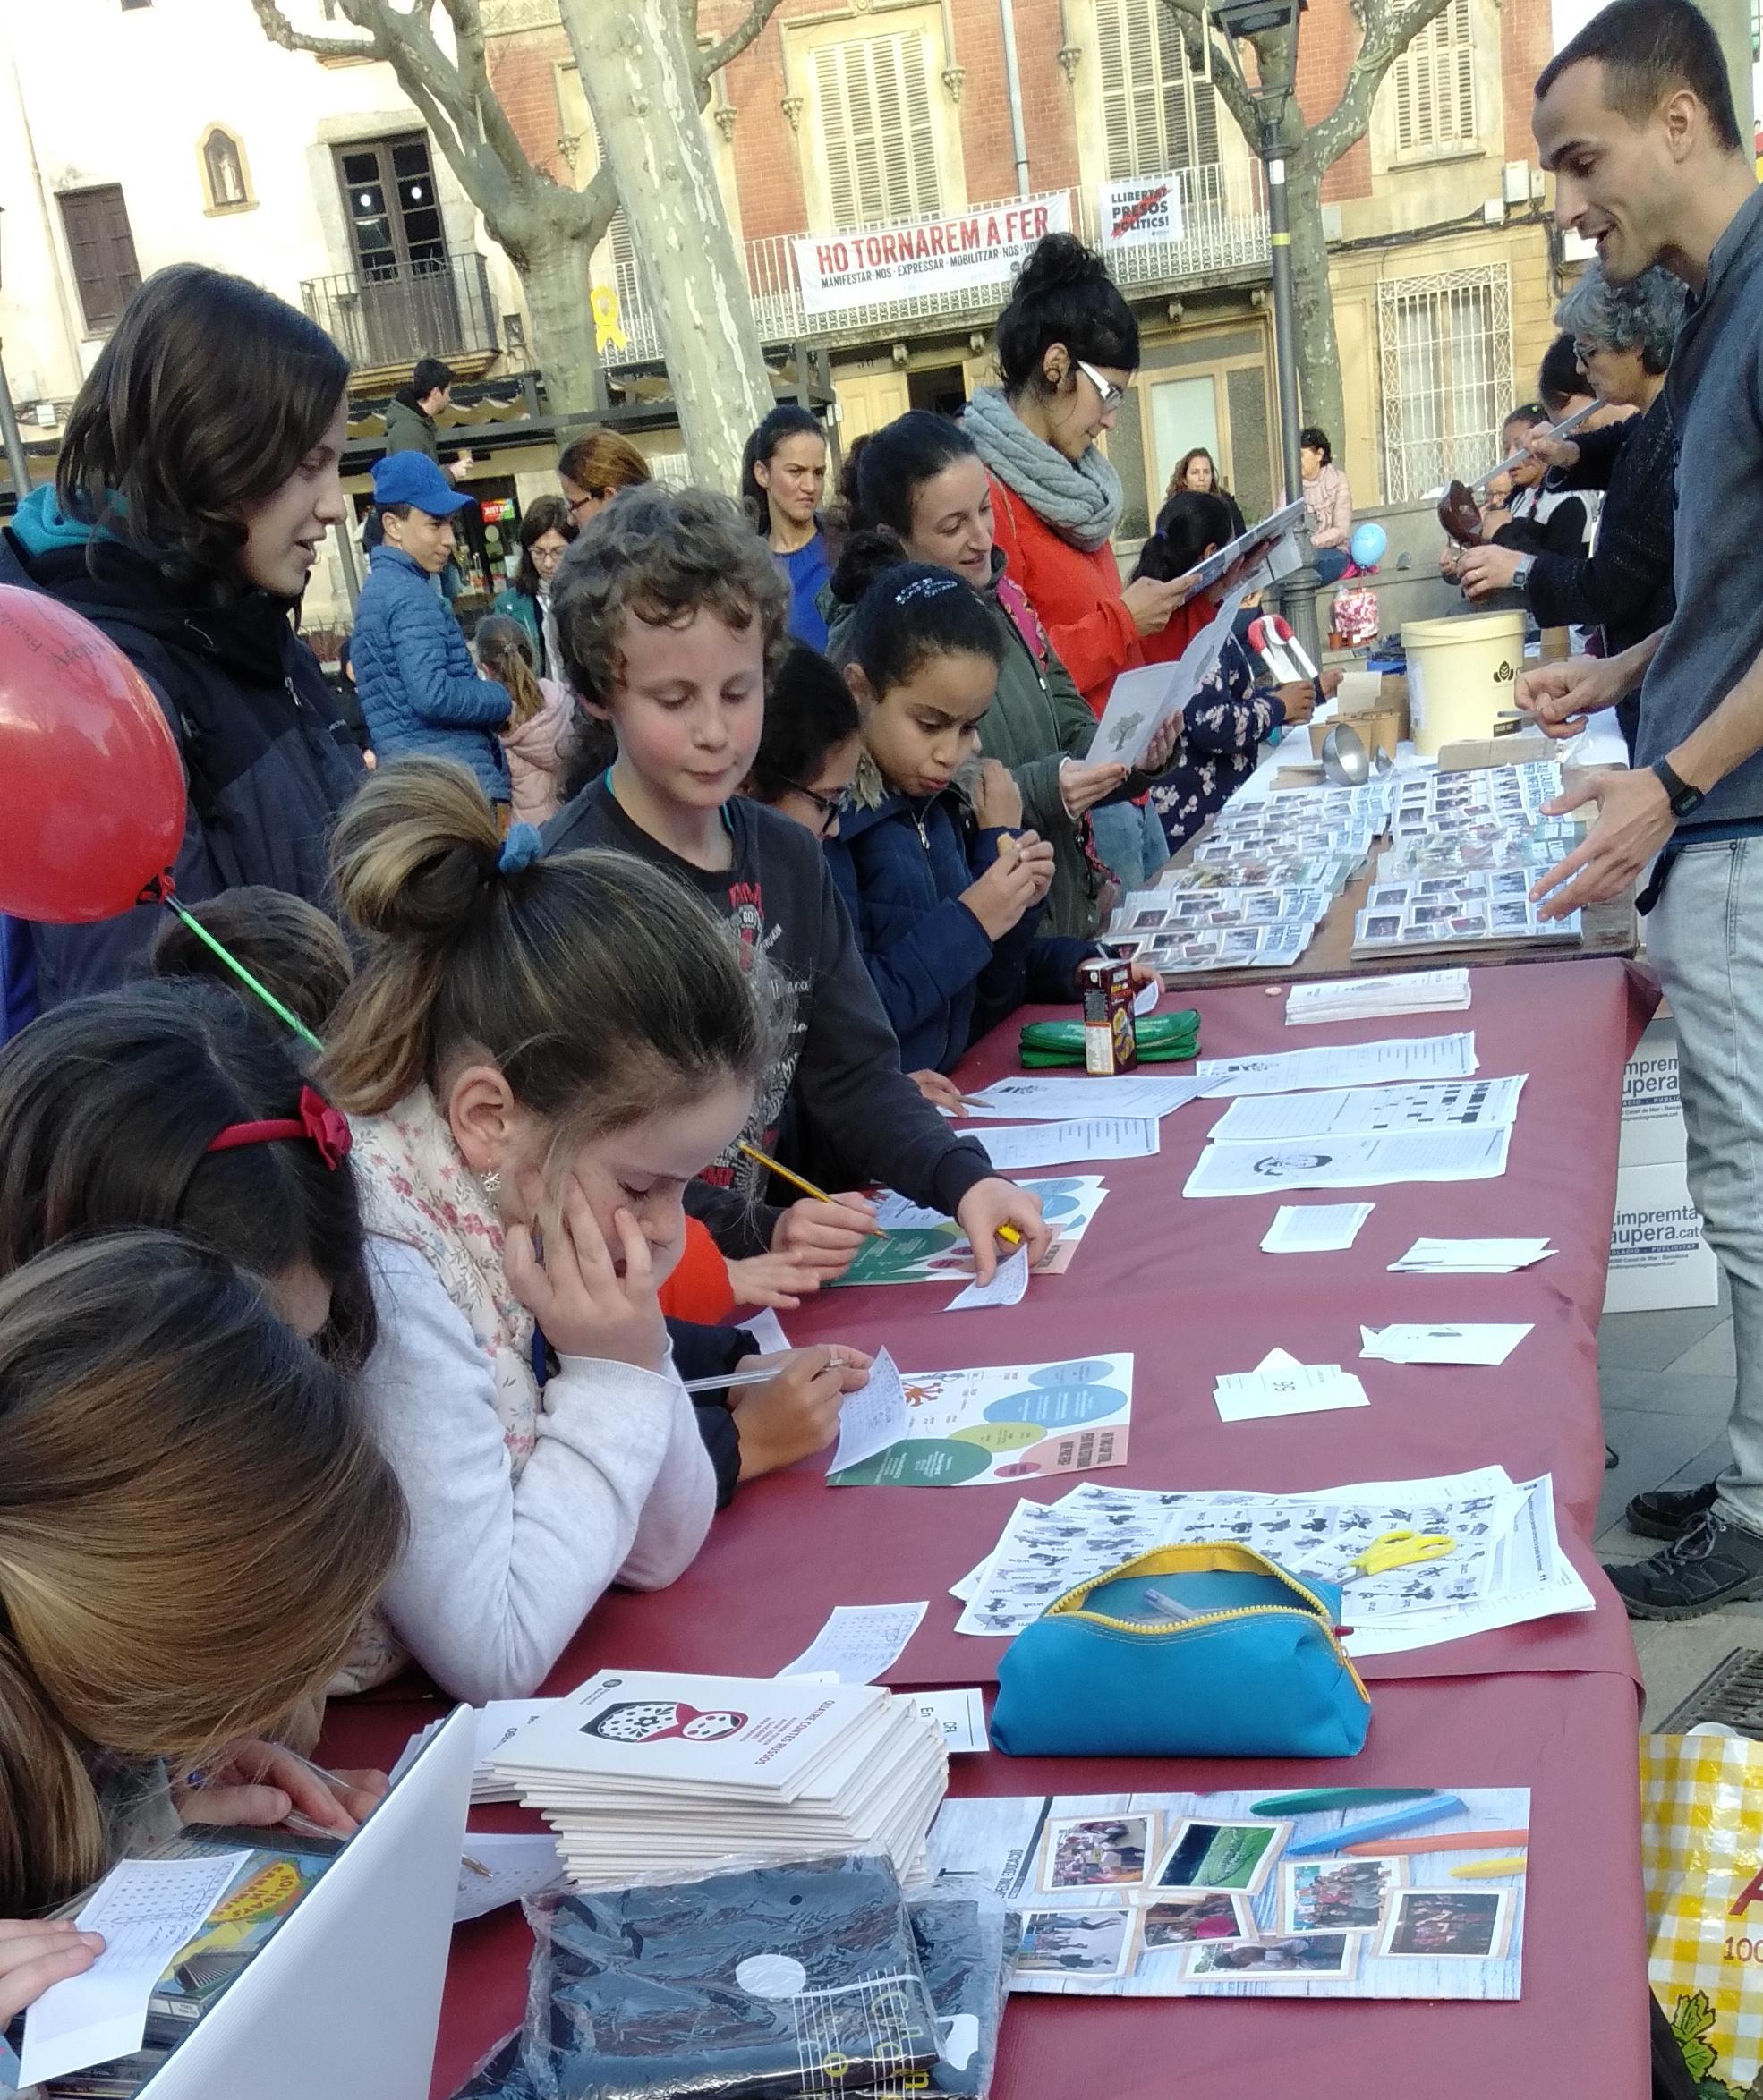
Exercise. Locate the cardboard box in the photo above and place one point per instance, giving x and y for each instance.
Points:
(1659, 1259)
(1652, 1114)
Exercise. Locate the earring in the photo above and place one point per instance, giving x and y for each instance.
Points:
(492, 1183)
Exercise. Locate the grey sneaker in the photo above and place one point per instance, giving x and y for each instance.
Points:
(1668, 1512)
(1714, 1564)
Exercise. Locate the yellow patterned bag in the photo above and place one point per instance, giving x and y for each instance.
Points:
(1701, 1850)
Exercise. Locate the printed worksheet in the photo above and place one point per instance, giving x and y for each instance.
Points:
(1142, 701)
(1250, 1894)
(1366, 1111)
(1313, 1228)
(1343, 1064)
(1060, 1098)
(1012, 1423)
(1015, 1146)
(1349, 1162)
(1049, 1548)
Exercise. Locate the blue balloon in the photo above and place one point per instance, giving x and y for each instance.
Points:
(1371, 543)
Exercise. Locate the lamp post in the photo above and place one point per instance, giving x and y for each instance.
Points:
(17, 465)
(1270, 94)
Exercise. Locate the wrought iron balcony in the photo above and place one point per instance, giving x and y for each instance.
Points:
(441, 310)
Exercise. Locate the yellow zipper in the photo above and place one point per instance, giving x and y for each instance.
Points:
(1320, 1616)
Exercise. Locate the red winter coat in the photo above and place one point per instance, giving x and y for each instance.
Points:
(1078, 596)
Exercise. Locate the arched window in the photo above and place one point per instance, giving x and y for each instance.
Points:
(225, 181)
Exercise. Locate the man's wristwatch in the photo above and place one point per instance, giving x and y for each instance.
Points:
(1682, 798)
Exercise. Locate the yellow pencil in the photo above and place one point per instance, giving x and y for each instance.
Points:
(1482, 1870)
(796, 1180)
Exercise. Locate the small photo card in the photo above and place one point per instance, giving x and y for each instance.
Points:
(1075, 1943)
(1338, 1895)
(1232, 1857)
(1449, 1924)
(1294, 1955)
(1187, 1921)
(1097, 1853)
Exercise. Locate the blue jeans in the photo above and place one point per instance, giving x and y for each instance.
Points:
(1131, 841)
(1705, 938)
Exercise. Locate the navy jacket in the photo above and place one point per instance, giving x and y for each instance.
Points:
(901, 867)
(268, 763)
(420, 690)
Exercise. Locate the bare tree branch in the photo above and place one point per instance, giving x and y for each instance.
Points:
(711, 61)
(280, 31)
(1206, 54)
(1386, 33)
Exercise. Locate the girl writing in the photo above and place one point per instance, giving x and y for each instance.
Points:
(195, 1519)
(537, 1053)
(671, 615)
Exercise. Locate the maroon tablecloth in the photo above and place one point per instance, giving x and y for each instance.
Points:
(1185, 1286)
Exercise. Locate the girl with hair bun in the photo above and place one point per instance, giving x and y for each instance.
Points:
(942, 885)
(195, 1519)
(539, 1056)
(1068, 347)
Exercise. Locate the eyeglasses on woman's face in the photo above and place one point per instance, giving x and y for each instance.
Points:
(1107, 392)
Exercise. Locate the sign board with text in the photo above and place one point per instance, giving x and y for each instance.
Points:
(843, 272)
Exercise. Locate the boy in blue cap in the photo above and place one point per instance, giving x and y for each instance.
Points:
(419, 688)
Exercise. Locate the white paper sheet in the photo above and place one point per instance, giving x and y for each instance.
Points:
(768, 1330)
(1314, 1229)
(1061, 1099)
(873, 1416)
(1483, 1343)
(859, 1641)
(1472, 1257)
(1343, 1064)
(514, 1866)
(1370, 999)
(1145, 999)
(1349, 1162)
(1367, 1111)
(1286, 1388)
(1013, 1148)
(1009, 1287)
(146, 1910)
(960, 1715)
(1142, 701)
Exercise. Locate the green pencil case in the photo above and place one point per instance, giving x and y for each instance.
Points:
(1164, 1039)
(1208, 1650)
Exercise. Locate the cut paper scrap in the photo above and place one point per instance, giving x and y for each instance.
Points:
(1009, 1287)
(857, 1643)
(1483, 1343)
(1280, 1385)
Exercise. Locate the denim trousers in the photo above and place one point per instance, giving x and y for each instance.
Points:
(1705, 938)
(1131, 841)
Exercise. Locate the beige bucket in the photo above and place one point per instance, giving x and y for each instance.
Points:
(1462, 675)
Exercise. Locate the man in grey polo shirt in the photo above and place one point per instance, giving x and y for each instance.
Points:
(1635, 118)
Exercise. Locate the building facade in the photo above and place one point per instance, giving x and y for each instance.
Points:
(883, 175)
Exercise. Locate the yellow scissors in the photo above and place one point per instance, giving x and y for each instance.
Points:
(1401, 1549)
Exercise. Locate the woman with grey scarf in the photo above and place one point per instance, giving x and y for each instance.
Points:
(1068, 346)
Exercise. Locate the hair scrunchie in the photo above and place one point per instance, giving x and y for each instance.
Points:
(520, 848)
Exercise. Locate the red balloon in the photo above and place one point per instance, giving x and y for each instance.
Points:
(93, 783)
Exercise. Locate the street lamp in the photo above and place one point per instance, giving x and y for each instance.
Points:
(1270, 94)
(17, 465)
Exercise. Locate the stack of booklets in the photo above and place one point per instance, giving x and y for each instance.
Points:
(652, 1775)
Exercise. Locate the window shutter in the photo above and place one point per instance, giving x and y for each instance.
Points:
(1157, 114)
(877, 127)
(1111, 36)
(1434, 83)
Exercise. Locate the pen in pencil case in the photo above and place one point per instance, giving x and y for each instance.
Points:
(1379, 1826)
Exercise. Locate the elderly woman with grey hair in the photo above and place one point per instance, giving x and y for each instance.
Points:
(1623, 334)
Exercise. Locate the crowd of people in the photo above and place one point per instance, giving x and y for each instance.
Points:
(746, 819)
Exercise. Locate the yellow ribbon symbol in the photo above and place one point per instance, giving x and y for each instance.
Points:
(608, 334)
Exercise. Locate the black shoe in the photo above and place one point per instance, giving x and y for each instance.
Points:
(1668, 1512)
(1714, 1564)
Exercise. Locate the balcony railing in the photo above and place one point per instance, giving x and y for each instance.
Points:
(1218, 220)
(442, 309)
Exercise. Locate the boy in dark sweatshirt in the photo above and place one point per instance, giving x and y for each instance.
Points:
(669, 613)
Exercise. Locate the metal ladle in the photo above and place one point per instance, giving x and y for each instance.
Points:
(1345, 761)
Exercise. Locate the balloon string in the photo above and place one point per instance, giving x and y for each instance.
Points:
(245, 975)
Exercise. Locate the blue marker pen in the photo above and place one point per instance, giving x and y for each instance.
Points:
(1380, 1826)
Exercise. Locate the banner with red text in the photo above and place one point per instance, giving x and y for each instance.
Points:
(843, 272)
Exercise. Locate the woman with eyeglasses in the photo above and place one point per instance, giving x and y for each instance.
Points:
(593, 468)
(1068, 347)
(546, 529)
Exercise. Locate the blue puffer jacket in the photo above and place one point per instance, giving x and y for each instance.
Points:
(900, 866)
(420, 690)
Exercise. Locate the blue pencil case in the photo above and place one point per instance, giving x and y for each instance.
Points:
(1256, 1670)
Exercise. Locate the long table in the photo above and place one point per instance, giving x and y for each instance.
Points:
(1184, 1285)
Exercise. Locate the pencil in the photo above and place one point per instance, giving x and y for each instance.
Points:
(796, 1180)
(1481, 1870)
(1460, 1840)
